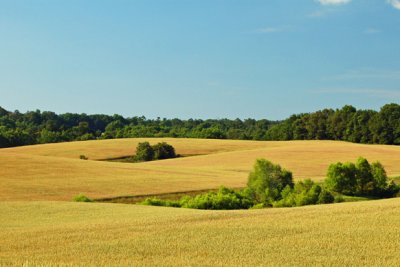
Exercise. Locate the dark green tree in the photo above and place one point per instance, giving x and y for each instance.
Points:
(144, 152)
(365, 184)
(163, 151)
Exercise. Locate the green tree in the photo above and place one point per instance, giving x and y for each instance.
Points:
(364, 179)
(361, 179)
(144, 152)
(163, 151)
(341, 178)
(267, 181)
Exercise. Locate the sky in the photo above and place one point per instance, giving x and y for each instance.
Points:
(199, 59)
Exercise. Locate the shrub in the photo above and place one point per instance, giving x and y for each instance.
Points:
(163, 151)
(224, 199)
(161, 202)
(325, 197)
(82, 198)
(258, 206)
(144, 152)
(304, 193)
(338, 199)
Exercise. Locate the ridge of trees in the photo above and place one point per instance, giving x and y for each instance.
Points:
(346, 124)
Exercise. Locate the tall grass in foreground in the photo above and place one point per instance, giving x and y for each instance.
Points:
(75, 234)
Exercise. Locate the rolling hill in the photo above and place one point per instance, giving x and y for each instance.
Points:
(55, 172)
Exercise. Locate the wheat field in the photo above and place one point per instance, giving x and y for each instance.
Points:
(90, 234)
(55, 172)
(40, 226)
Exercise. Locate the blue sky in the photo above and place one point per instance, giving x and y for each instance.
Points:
(200, 59)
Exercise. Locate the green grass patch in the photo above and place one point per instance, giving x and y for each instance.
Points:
(82, 198)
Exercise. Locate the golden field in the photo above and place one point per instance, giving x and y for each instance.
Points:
(55, 172)
(39, 229)
(91, 234)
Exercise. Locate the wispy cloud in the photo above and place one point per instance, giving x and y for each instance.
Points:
(371, 31)
(272, 29)
(367, 74)
(336, 2)
(381, 93)
(394, 3)
(268, 30)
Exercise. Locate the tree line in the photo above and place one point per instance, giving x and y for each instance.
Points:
(347, 124)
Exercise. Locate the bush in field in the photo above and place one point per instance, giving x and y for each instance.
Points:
(82, 198)
(163, 151)
(270, 185)
(161, 202)
(224, 199)
(360, 179)
(267, 181)
(325, 197)
(146, 152)
(304, 193)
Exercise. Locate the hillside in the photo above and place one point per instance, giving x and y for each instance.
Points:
(65, 234)
(55, 172)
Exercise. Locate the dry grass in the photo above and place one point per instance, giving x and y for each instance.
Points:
(92, 234)
(115, 148)
(54, 172)
(77, 234)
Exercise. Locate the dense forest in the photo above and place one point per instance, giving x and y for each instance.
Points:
(347, 123)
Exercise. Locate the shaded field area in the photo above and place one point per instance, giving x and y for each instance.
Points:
(140, 198)
(55, 172)
(80, 234)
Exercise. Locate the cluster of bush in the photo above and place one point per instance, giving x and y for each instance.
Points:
(270, 185)
(360, 179)
(147, 152)
(224, 199)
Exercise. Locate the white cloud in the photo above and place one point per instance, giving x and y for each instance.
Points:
(394, 3)
(336, 2)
